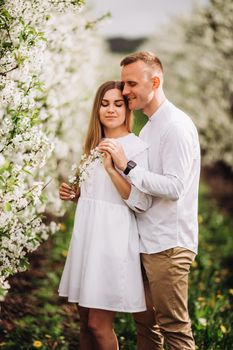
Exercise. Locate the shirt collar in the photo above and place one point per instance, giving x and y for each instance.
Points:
(159, 111)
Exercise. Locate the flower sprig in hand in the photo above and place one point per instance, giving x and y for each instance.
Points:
(80, 173)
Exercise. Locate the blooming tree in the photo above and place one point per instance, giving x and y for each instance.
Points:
(198, 57)
(48, 72)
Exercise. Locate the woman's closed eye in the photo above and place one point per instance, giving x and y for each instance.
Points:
(117, 104)
(104, 104)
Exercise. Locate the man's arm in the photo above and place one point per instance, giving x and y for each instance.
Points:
(137, 200)
(177, 156)
(166, 186)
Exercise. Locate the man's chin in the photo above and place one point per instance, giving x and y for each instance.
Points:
(133, 107)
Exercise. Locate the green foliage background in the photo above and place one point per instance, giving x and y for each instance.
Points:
(54, 322)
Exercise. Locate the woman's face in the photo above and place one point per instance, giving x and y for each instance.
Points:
(112, 111)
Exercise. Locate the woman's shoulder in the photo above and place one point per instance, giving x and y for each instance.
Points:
(132, 144)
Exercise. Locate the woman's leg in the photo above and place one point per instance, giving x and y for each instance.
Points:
(101, 325)
(87, 340)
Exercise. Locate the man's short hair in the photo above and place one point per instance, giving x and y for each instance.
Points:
(147, 57)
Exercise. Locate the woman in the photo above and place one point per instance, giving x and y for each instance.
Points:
(102, 271)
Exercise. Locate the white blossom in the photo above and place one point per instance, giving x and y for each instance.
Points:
(81, 172)
(47, 82)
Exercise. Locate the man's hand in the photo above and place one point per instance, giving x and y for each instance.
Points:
(117, 153)
(68, 193)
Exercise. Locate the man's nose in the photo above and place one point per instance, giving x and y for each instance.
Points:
(125, 90)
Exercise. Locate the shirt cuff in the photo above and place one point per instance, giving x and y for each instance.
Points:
(138, 201)
(135, 176)
(134, 199)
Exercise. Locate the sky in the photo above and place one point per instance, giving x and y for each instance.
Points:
(138, 18)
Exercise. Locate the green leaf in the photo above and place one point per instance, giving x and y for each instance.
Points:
(27, 172)
(7, 206)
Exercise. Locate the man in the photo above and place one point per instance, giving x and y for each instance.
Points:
(168, 229)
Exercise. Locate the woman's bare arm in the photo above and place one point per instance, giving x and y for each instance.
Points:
(121, 184)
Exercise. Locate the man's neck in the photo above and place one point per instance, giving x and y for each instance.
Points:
(154, 105)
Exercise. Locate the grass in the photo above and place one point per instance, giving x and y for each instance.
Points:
(35, 317)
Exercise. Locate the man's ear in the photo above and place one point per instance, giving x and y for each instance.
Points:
(156, 82)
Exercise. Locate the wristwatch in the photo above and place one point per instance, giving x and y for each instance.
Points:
(130, 165)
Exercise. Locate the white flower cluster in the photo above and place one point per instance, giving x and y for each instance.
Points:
(81, 172)
(48, 73)
(197, 57)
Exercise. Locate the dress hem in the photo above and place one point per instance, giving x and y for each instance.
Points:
(103, 307)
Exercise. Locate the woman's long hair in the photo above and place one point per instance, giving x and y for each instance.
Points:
(95, 130)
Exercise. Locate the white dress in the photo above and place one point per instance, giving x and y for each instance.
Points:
(102, 268)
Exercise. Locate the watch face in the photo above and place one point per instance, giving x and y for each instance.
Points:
(131, 164)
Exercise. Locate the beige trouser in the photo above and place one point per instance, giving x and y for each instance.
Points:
(166, 288)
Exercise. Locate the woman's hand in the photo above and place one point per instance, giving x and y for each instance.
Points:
(107, 162)
(116, 151)
(68, 193)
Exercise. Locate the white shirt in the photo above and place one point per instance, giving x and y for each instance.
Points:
(172, 180)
